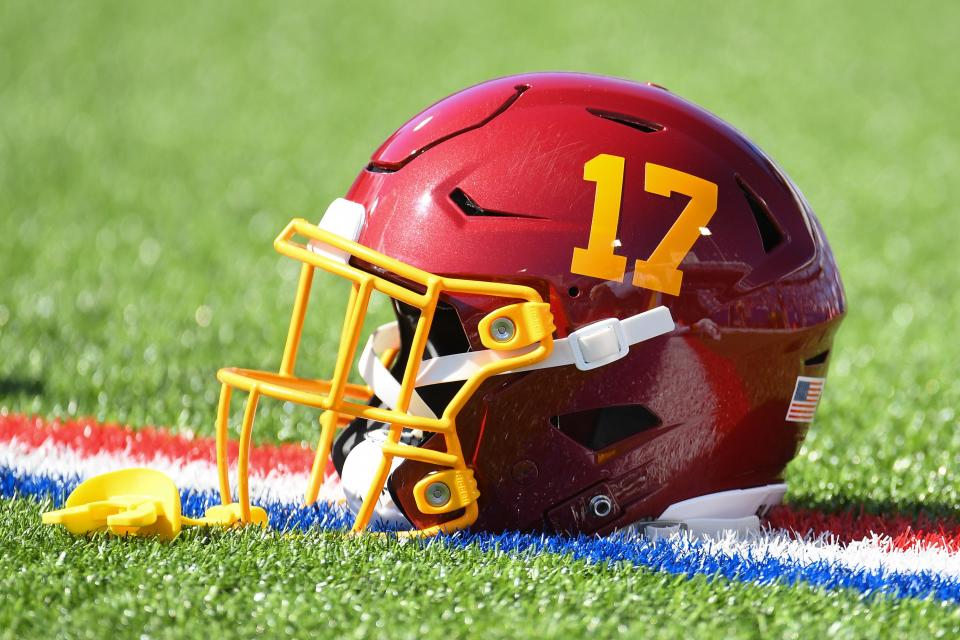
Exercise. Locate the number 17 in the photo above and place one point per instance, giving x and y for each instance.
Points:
(659, 272)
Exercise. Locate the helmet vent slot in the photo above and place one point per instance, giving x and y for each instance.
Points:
(818, 359)
(376, 168)
(379, 165)
(646, 126)
(771, 235)
(470, 208)
(598, 429)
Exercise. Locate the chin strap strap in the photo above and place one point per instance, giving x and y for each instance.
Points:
(379, 378)
(589, 347)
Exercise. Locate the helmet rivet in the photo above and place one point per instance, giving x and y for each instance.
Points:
(503, 329)
(438, 494)
(601, 506)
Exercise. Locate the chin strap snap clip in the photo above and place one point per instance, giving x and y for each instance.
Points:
(446, 491)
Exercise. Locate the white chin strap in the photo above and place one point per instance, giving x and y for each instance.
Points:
(587, 348)
(358, 470)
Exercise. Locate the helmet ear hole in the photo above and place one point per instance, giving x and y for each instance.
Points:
(573, 292)
(598, 429)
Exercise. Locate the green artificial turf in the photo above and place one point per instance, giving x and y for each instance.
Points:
(149, 153)
(225, 584)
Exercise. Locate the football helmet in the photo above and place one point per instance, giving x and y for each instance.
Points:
(611, 308)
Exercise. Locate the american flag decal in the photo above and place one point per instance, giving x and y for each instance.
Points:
(806, 397)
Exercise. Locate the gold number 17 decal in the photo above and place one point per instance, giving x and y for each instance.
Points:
(659, 272)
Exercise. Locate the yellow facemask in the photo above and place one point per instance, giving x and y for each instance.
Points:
(519, 334)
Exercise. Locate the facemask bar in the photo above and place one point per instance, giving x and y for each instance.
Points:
(342, 401)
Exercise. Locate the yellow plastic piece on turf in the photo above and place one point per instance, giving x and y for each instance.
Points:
(137, 502)
(227, 515)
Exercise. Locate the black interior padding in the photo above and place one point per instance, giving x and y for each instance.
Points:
(446, 337)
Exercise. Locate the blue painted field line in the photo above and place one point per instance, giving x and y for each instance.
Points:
(688, 558)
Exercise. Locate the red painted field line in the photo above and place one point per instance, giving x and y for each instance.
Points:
(848, 526)
(88, 437)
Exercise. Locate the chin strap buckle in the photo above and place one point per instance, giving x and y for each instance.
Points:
(598, 344)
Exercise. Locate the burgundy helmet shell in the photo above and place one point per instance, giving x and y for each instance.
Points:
(489, 184)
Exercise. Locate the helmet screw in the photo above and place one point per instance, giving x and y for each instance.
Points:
(503, 329)
(601, 506)
(438, 494)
